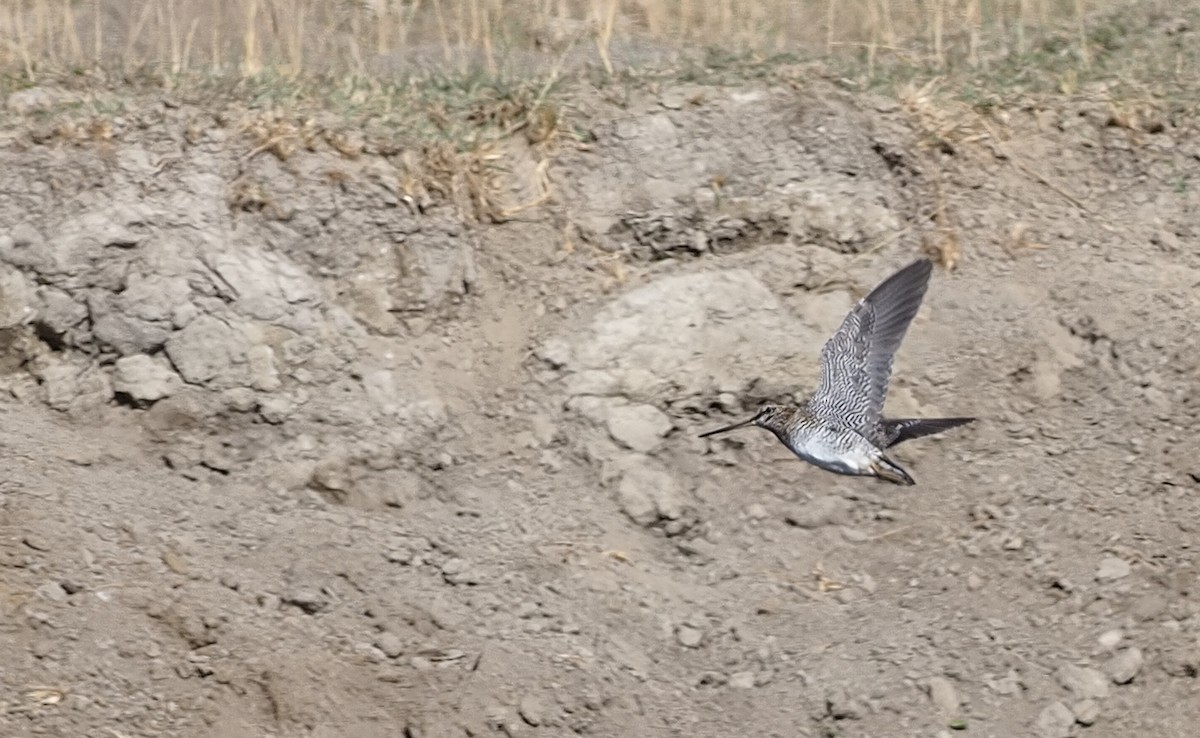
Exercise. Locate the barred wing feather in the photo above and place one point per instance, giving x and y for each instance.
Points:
(856, 363)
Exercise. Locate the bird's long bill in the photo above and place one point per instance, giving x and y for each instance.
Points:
(728, 428)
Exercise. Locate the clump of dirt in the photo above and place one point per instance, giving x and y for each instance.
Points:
(296, 447)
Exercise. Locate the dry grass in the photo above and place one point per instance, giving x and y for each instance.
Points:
(371, 37)
(440, 83)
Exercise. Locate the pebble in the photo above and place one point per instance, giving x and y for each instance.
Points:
(1009, 684)
(636, 502)
(1086, 711)
(1112, 568)
(854, 535)
(309, 601)
(52, 591)
(454, 566)
(331, 474)
(841, 706)
(943, 696)
(756, 511)
(688, 636)
(974, 582)
(35, 542)
(1125, 665)
(532, 710)
(544, 430)
(868, 584)
(1056, 721)
(647, 493)
(638, 427)
(390, 644)
(1110, 638)
(1084, 683)
(458, 571)
(742, 680)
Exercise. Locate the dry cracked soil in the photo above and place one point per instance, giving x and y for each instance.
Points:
(294, 447)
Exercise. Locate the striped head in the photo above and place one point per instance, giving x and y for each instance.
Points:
(774, 418)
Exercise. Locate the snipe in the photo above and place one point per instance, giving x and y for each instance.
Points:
(841, 427)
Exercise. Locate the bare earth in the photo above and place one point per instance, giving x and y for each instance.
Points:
(294, 448)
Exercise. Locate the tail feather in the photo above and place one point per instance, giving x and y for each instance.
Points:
(890, 471)
(900, 430)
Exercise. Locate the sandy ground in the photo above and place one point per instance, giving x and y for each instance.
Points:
(294, 449)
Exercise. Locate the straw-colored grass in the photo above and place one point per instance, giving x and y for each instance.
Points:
(372, 37)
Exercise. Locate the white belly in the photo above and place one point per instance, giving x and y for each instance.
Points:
(855, 460)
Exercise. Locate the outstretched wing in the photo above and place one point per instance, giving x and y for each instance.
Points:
(856, 362)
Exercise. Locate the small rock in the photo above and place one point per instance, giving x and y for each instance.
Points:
(847, 596)
(1125, 665)
(205, 349)
(943, 696)
(1110, 638)
(854, 535)
(1082, 682)
(689, 637)
(454, 566)
(42, 648)
(868, 584)
(240, 399)
(264, 374)
(1086, 711)
(544, 430)
(636, 502)
(841, 706)
(1111, 568)
(828, 510)
(276, 409)
(391, 645)
(69, 387)
(1182, 662)
(52, 591)
(974, 582)
(1009, 684)
(647, 493)
(532, 710)
(1056, 721)
(673, 99)
(37, 543)
(742, 680)
(175, 562)
(638, 427)
(331, 474)
(459, 571)
(309, 601)
(14, 298)
(756, 511)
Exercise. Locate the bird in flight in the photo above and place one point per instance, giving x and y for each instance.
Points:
(841, 427)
